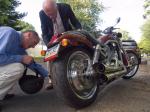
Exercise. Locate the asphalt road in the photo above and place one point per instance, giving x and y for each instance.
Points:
(120, 96)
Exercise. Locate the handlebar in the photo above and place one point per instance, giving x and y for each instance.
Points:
(109, 30)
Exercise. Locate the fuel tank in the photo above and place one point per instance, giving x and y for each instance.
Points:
(104, 39)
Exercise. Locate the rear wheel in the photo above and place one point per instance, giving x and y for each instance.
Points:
(133, 59)
(71, 83)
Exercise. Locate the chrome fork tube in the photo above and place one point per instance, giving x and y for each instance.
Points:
(96, 54)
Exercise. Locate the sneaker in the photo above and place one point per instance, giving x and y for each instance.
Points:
(49, 86)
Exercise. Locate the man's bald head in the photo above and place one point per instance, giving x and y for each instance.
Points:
(50, 8)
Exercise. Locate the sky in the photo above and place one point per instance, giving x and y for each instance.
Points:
(130, 11)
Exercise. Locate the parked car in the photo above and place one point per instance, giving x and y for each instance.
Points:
(131, 46)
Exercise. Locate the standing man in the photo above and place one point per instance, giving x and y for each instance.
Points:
(56, 18)
(13, 57)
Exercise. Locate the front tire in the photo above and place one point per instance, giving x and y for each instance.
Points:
(133, 70)
(71, 85)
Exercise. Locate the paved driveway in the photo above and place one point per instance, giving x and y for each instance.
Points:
(120, 96)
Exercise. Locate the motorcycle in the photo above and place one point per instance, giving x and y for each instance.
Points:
(80, 64)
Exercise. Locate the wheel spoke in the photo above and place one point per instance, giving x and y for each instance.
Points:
(134, 64)
(77, 67)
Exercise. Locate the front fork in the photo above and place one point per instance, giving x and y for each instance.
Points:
(99, 53)
(99, 68)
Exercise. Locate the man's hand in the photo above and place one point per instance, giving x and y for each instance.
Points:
(27, 59)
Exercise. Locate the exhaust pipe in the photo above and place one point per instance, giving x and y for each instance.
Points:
(99, 68)
(113, 76)
(108, 77)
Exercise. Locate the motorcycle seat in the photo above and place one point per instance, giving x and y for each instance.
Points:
(88, 36)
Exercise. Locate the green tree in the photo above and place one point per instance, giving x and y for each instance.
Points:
(147, 8)
(145, 41)
(25, 26)
(125, 35)
(10, 17)
(87, 11)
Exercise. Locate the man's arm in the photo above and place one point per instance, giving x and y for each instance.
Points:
(46, 33)
(7, 59)
(73, 18)
(38, 69)
(8, 36)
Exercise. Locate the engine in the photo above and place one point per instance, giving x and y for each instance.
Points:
(112, 59)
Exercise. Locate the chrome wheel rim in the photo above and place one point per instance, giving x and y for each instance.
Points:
(134, 62)
(78, 65)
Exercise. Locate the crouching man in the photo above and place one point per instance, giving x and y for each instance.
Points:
(13, 57)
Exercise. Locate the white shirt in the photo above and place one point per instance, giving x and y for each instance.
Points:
(58, 25)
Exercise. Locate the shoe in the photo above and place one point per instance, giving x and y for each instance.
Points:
(49, 87)
(9, 96)
(50, 84)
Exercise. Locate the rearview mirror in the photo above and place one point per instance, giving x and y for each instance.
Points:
(118, 20)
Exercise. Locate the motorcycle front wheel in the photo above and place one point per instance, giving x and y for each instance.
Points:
(134, 65)
(71, 83)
